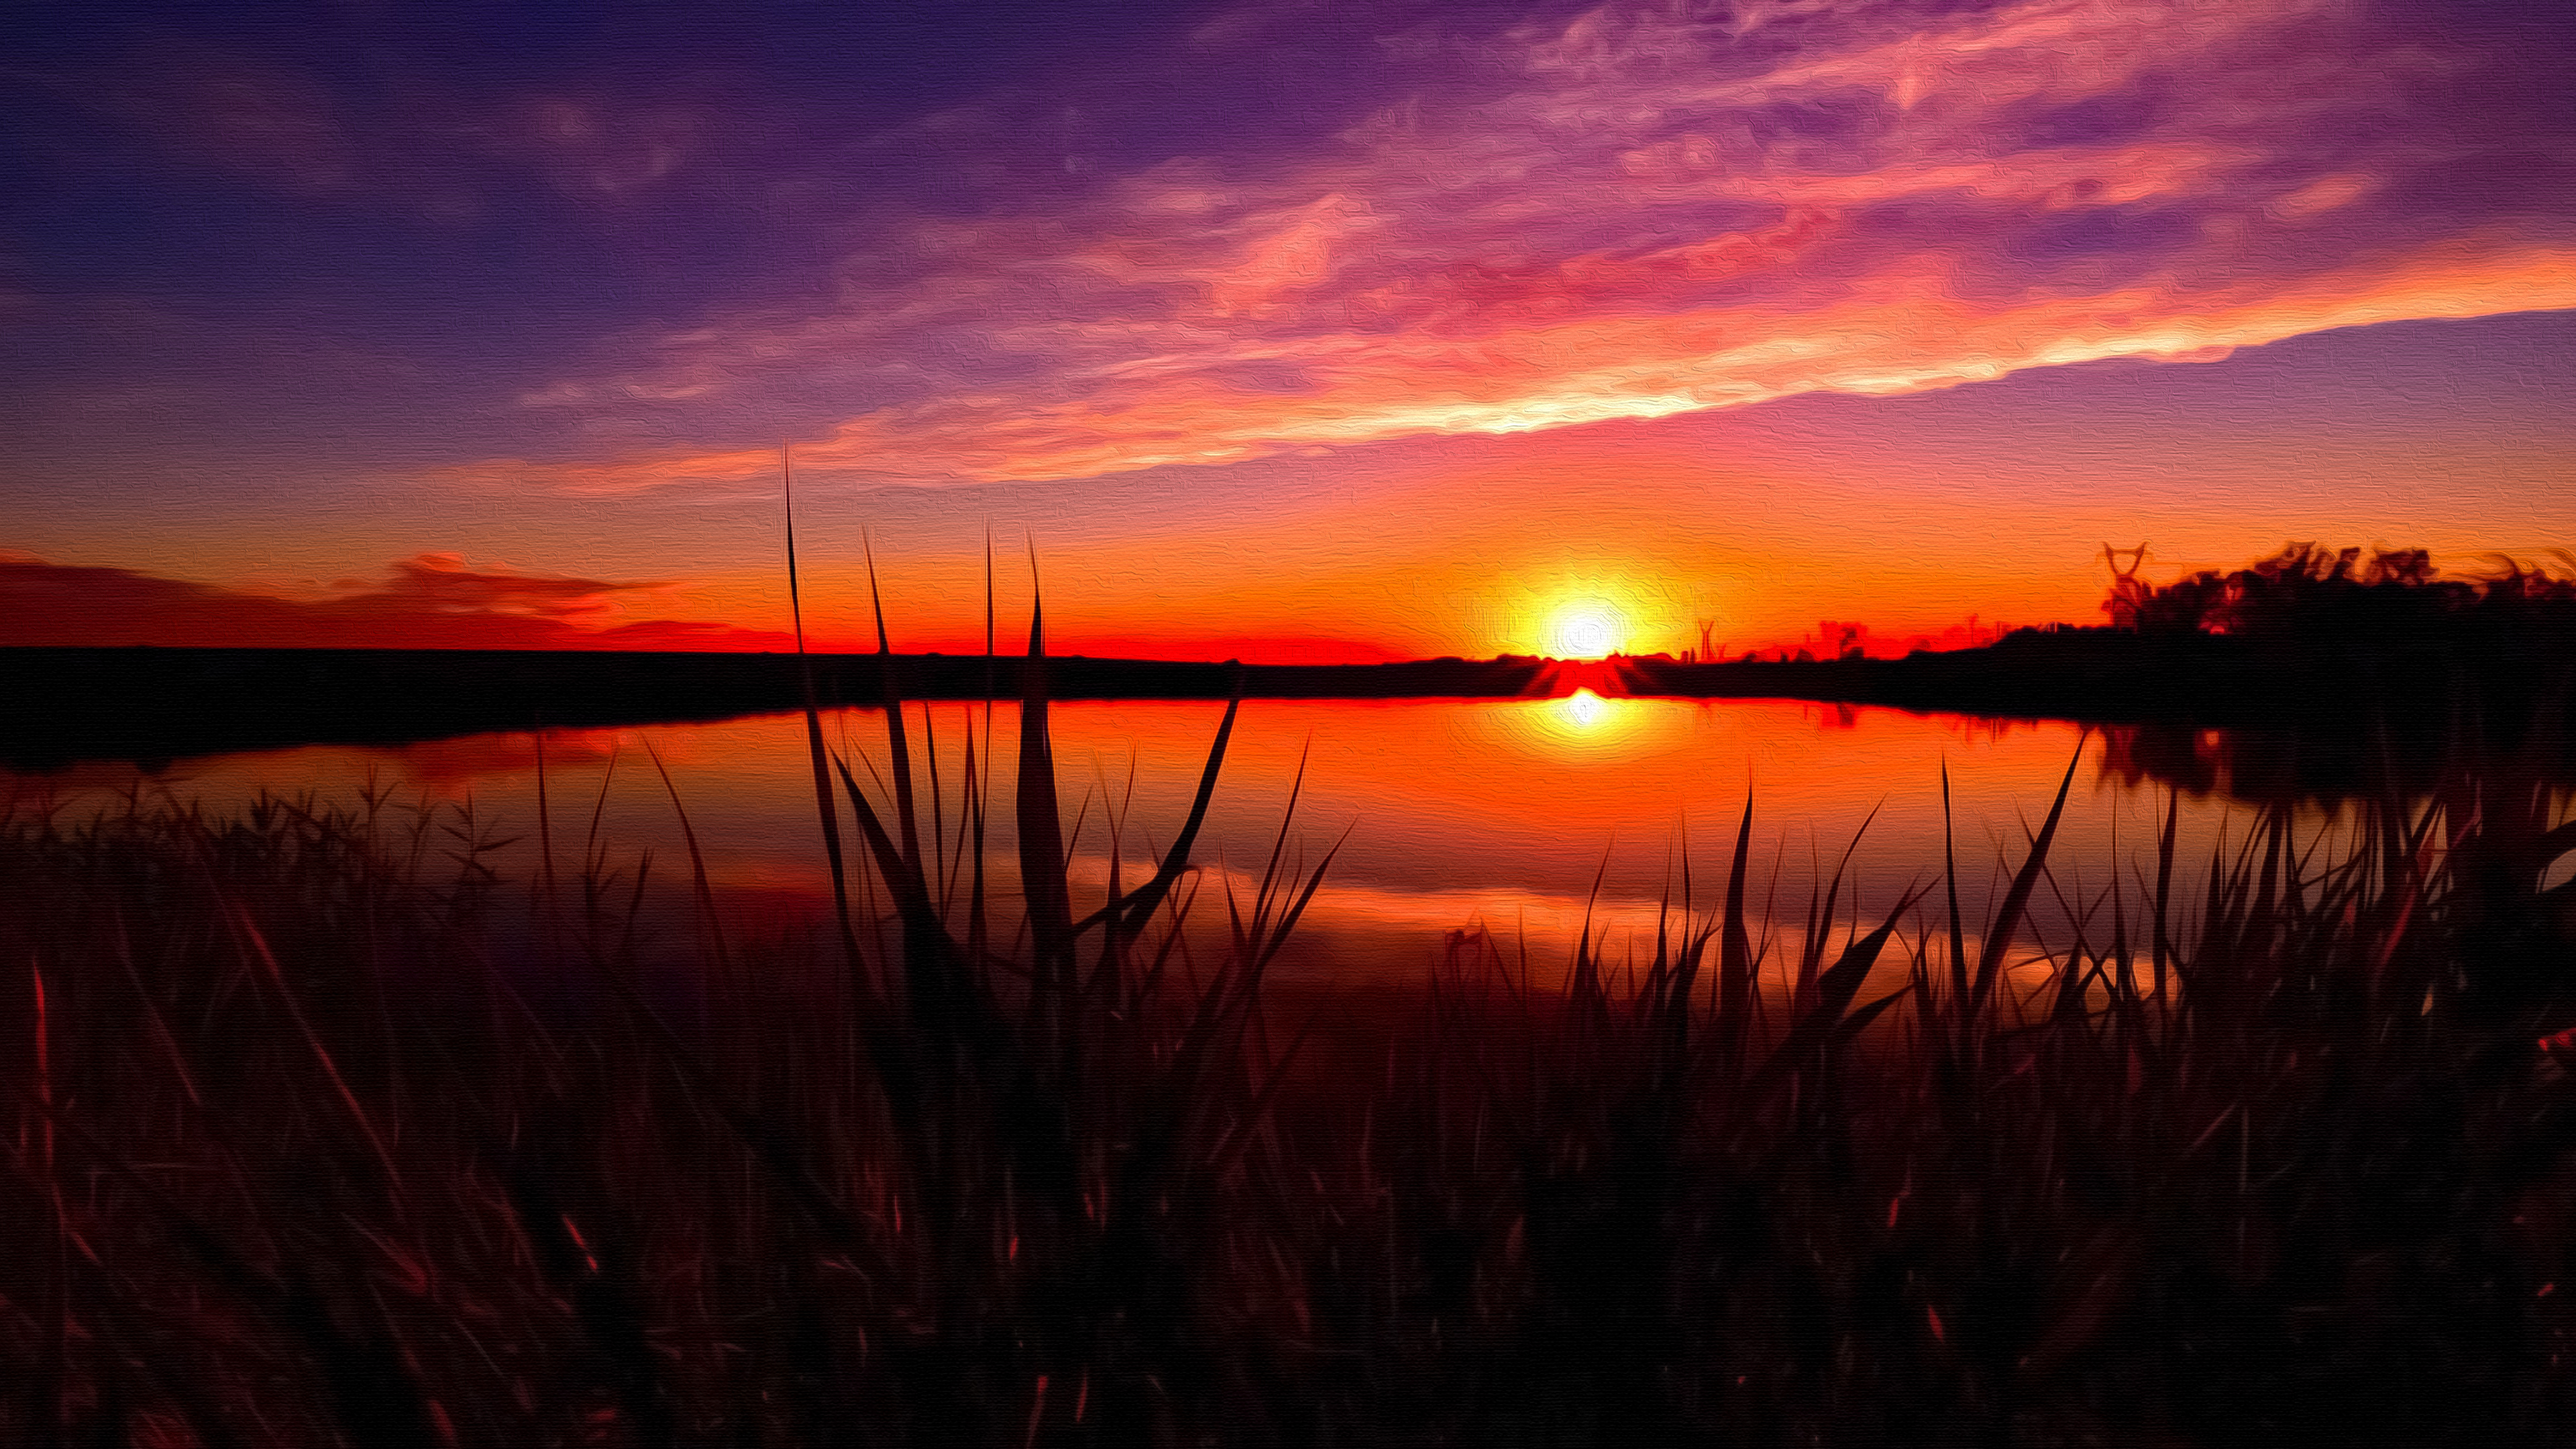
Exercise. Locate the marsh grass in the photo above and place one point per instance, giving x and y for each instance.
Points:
(324, 1132)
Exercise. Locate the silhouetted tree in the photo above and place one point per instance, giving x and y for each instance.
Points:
(2316, 599)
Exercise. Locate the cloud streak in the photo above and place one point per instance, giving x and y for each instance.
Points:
(1643, 212)
(431, 601)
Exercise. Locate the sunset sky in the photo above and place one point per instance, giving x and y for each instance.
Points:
(1284, 329)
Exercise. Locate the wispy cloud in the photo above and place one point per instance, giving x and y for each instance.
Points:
(1646, 211)
(444, 583)
(431, 601)
(289, 126)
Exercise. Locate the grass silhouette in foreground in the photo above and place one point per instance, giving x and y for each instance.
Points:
(323, 1132)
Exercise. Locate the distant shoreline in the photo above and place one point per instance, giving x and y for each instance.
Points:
(60, 705)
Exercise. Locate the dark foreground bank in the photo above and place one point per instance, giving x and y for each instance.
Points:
(321, 1138)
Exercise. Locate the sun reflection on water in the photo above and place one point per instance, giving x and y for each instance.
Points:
(1587, 720)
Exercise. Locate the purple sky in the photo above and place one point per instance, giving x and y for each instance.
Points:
(1405, 325)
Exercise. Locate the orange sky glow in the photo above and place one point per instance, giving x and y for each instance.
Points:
(1739, 326)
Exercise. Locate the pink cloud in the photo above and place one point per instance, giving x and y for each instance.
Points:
(436, 601)
(1647, 211)
(432, 601)
(443, 583)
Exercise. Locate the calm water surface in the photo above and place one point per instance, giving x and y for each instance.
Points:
(1447, 815)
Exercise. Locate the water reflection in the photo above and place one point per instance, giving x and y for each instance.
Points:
(1453, 815)
(2267, 766)
(1577, 726)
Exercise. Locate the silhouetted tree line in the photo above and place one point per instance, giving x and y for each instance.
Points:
(2430, 663)
(2336, 603)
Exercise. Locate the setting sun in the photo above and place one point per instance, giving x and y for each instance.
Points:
(1587, 629)
(1340, 707)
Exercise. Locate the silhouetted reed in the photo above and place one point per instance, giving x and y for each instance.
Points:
(325, 1132)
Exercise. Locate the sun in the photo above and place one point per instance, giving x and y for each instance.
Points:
(1586, 629)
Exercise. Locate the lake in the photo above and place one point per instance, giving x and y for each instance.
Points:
(1445, 815)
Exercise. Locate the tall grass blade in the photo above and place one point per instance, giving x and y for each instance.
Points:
(705, 890)
(247, 932)
(942, 995)
(857, 971)
(1586, 989)
(1042, 862)
(545, 824)
(893, 696)
(978, 789)
(1140, 906)
(939, 876)
(1999, 932)
(1288, 920)
(1735, 956)
(1950, 880)
(1820, 919)
(1835, 988)
(2164, 946)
